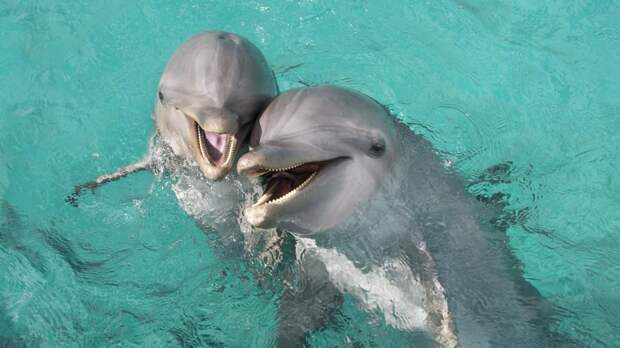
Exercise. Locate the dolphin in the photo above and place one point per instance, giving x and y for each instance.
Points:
(210, 92)
(377, 215)
(212, 89)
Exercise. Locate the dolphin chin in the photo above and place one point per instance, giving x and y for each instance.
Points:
(259, 217)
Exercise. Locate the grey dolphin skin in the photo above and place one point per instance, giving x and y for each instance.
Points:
(210, 93)
(376, 215)
(213, 88)
(302, 139)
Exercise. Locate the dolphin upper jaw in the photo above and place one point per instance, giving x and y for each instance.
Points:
(214, 119)
(250, 164)
(269, 157)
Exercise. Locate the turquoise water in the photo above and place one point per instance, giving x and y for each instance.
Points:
(534, 86)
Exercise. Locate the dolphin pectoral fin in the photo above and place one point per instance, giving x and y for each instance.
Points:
(309, 306)
(143, 164)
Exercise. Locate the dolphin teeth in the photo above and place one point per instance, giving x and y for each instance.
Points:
(229, 148)
(282, 169)
(265, 197)
(200, 144)
(290, 194)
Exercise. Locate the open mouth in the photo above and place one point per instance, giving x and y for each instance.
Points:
(280, 185)
(217, 148)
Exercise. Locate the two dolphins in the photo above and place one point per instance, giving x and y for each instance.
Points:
(374, 212)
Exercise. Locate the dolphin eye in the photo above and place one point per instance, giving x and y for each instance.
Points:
(377, 148)
(161, 96)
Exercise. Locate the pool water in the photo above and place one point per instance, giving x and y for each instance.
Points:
(532, 87)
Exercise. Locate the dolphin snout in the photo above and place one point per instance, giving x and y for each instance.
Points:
(221, 121)
(259, 216)
(250, 164)
(215, 120)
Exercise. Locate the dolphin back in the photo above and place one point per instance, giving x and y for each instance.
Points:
(491, 303)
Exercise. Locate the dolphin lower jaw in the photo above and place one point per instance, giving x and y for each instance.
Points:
(214, 152)
(260, 216)
(278, 189)
(281, 186)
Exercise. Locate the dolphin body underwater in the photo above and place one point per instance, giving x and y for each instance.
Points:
(376, 215)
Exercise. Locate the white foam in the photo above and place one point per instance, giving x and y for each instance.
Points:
(401, 301)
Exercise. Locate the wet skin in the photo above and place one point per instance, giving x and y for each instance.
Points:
(376, 213)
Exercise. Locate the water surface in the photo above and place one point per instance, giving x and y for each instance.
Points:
(532, 86)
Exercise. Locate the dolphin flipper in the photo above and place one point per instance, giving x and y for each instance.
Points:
(308, 306)
(143, 164)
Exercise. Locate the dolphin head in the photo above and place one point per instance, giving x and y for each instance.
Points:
(210, 93)
(322, 152)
